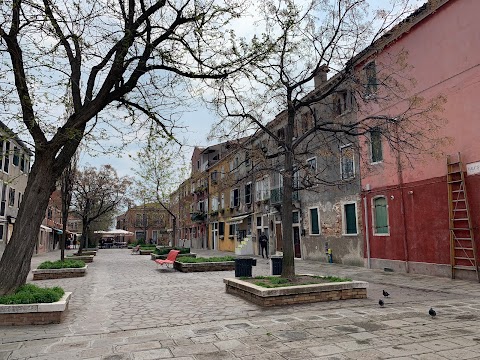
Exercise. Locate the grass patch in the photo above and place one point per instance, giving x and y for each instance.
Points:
(166, 250)
(204, 260)
(67, 264)
(276, 281)
(31, 294)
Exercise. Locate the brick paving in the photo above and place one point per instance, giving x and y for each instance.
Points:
(125, 308)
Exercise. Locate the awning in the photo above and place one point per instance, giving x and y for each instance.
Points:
(58, 231)
(237, 219)
(46, 228)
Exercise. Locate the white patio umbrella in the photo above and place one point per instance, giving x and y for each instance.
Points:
(114, 232)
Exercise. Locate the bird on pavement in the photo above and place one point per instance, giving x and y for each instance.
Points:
(386, 294)
(432, 312)
(381, 303)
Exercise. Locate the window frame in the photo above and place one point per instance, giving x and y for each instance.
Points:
(310, 223)
(344, 218)
(371, 132)
(309, 165)
(371, 88)
(374, 218)
(342, 149)
(248, 194)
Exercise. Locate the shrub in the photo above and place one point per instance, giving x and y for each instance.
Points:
(31, 294)
(67, 264)
(333, 278)
(203, 260)
(166, 250)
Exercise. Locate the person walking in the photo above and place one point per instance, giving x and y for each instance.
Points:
(263, 239)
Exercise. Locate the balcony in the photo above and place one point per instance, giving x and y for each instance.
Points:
(198, 216)
(276, 196)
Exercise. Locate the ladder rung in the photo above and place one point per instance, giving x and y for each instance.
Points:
(454, 163)
(458, 190)
(459, 209)
(464, 239)
(460, 229)
(462, 267)
(464, 258)
(462, 248)
(460, 219)
(455, 181)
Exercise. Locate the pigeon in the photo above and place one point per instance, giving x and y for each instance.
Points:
(432, 312)
(381, 303)
(386, 294)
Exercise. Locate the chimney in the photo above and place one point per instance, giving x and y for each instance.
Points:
(320, 76)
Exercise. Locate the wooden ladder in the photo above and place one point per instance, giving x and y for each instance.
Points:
(463, 254)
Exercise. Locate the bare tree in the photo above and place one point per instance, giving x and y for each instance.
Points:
(309, 40)
(160, 170)
(124, 60)
(97, 193)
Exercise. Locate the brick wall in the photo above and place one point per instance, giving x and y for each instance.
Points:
(39, 318)
(58, 275)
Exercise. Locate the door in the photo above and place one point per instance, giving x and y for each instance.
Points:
(296, 242)
(278, 233)
(215, 235)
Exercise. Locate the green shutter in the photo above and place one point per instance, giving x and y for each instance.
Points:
(314, 227)
(376, 143)
(381, 216)
(350, 219)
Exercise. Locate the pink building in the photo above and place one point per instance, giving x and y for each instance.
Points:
(407, 207)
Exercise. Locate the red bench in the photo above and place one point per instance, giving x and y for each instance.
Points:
(171, 257)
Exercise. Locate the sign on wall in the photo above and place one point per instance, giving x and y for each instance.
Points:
(473, 168)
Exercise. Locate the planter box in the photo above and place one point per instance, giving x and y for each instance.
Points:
(86, 258)
(45, 274)
(87, 253)
(146, 252)
(206, 266)
(163, 257)
(300, 294)
(34, 314)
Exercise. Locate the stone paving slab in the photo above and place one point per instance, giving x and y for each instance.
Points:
(125, 309)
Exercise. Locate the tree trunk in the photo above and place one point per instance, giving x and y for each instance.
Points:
(15, 262)
(288, 268)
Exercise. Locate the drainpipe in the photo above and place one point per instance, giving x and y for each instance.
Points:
(367, 231)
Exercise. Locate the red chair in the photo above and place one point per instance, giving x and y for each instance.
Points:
(171, 257)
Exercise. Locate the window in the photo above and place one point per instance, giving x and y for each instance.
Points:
(221, 229)
(3, 204)
(376, 152)
(138, 220)
(248, 193)
(281, 134)
(380, 215)
(222, 201)
(259, 221)
(1, 232)
(295, 217)
(16, 156)
(347, 162)
(6, 161)
(371, 77)
(215, 203)
(262, 189)
(19, 199)
(341, 103)
(350, 219)
(312, 164)
(247, 159)
(11, 197)
(314, 221)
(22, 163)
(139, 236)
(235, 198)
(232, 230)
(214, 176)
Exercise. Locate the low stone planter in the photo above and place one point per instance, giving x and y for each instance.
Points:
(45, 274)
(86, 258)
(206, 266)
(146, 252)
(34, 314)
(86, 253)
(289, 295)
(163, 257)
